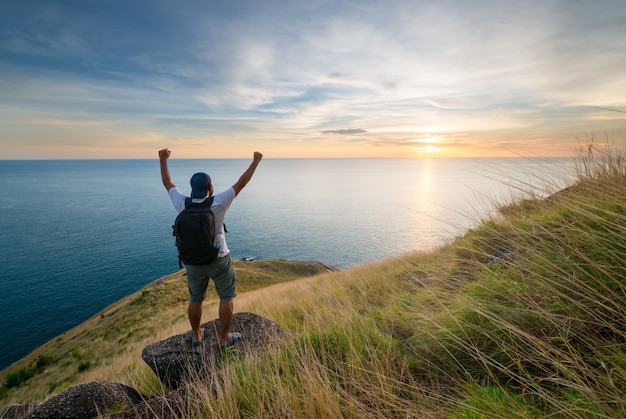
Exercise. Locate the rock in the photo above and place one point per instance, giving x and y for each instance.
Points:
(500, 255)
(175, 361)
(86, 401)
(170, 405)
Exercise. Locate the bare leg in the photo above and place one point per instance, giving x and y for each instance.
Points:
(226, 318)
(194, 311)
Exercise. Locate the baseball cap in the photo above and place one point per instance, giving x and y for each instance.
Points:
(200, 183)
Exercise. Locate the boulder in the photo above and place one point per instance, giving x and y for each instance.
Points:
(170, 405)
(85, 401)
(176, 362)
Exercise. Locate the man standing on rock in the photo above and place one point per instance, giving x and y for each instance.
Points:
(221, 269)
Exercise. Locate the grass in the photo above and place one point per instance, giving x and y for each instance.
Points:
(522, 317)
(108, 346)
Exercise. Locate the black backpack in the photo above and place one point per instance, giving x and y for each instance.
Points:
(194, 229)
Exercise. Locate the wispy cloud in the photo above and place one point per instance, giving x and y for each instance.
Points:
(350, 131)
(291, 73)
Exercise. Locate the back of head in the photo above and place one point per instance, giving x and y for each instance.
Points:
(200, 184)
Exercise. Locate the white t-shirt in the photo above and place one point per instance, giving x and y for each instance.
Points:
(221, 203)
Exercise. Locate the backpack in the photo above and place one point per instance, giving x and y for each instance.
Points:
(194, 229)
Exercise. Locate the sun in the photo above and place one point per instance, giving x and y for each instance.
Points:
(426, 149)
(426, 145)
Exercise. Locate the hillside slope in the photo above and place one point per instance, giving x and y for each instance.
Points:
(117, 334)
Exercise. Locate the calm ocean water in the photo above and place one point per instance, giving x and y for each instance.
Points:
(77, 236)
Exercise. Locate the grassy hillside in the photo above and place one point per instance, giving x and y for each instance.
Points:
(108, 346)
(523, 316)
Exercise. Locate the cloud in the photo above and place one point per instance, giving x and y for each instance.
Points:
(292, 69)
(344, 131)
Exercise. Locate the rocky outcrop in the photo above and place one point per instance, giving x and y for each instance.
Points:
(175, 361)
(87, 401)
(170, 405)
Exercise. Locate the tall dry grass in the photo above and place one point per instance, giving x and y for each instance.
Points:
(521, 317)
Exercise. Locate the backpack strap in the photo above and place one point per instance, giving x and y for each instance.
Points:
(208, 202)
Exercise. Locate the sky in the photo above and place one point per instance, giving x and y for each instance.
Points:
(91, 79)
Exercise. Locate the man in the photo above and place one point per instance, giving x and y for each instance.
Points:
(221, 269)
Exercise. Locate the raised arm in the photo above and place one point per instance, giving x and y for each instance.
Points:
(247, 175)
(165, 171)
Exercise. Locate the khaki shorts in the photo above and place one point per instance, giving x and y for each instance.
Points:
(220, 270)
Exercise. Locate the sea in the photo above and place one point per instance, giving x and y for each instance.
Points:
(79, 235)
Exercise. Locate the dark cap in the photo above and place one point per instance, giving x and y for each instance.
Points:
(200, 183)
